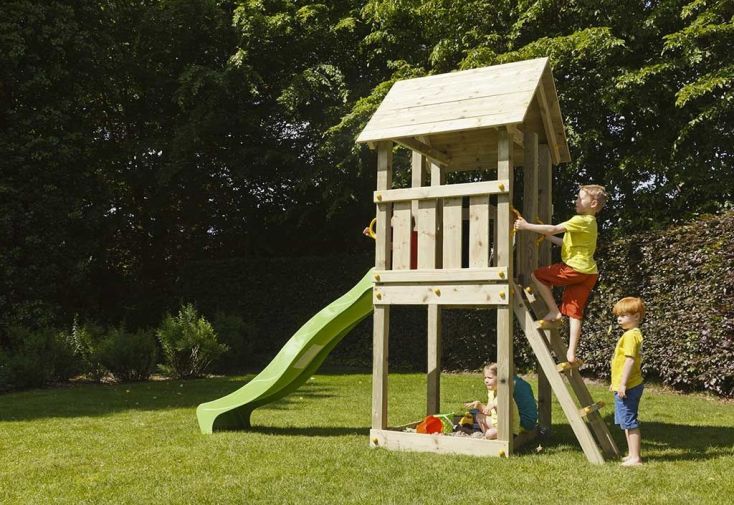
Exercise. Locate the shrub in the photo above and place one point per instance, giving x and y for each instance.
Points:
(128, 356)
(37, 357)
(85, 340)
(239, 336)
(189, 344)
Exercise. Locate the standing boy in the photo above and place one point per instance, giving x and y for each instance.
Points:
(577, 272)
(626, 375)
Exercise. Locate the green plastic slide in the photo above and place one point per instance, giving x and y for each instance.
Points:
(294, 364)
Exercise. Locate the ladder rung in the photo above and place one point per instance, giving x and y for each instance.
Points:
(565, 366)
(591, 408)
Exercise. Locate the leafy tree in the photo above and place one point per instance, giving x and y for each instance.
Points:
(628, 74)
(53, 203)
(136, 138)
(691, 83)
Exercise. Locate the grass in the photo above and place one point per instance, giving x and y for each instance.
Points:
(140, 443)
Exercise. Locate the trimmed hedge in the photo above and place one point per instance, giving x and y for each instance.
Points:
(275, 296)
(684, 274)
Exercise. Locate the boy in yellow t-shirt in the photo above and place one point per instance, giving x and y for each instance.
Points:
(626, 375)
(577, 273)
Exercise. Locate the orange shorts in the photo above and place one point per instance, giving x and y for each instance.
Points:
(576, 287)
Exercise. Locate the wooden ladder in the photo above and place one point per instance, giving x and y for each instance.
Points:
(592, 434)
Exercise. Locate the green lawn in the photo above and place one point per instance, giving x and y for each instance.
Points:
(140, 443)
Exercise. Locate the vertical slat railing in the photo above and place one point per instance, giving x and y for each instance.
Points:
(452, 222)
(479, 231)
(401, 230)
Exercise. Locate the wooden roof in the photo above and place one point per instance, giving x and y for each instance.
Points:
(522, 94)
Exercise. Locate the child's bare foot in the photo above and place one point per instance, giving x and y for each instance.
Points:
(631, 462)
(570, 356)
(625, 458)
(552, 316)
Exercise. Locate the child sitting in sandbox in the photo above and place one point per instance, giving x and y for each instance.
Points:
(525, 409)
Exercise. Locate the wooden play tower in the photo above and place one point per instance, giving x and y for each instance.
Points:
(490, 121)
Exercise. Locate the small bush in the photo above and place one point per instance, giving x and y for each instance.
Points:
(239, 336)
(128, 356)
(189, 344)
(37, 357)
(85, 340)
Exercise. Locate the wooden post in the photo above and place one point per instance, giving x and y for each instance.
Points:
(379, 366)
(505, 358)
(438, 177)
(545, 213)
(493, 220)
(383, 245)
(422, 214)
(433, 404)
(530, 206)
(381, 312)
(545, 200)
(425, 216)
(433, 379)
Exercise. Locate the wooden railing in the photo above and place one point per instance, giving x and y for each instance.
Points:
(439, 244)
(428, 224)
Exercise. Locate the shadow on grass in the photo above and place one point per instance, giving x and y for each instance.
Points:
(695, 442)
(661, 441)
(311, 431)
(90, 400)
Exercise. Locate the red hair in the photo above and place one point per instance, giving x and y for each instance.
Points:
(629, 305)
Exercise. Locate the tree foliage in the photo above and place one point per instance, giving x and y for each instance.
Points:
(138, 137)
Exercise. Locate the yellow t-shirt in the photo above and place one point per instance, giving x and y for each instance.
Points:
(491, 397)
(629, 344)
(579, 243)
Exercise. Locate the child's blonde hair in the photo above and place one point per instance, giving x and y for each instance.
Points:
(629, 305)
(491, 366)
(597, 193)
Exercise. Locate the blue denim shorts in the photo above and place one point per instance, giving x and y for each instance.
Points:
(626, 409)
